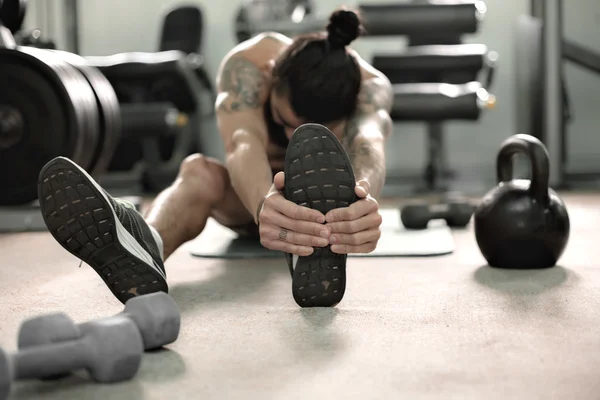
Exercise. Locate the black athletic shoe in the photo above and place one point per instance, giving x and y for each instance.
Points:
(318, 175)
(106, 233)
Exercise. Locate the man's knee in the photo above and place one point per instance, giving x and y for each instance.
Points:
(206, 171)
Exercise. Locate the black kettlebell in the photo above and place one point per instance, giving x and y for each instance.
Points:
(522, 223)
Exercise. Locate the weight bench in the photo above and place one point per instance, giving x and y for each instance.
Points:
(148, 80)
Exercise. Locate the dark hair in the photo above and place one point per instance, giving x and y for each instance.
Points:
(318, 75)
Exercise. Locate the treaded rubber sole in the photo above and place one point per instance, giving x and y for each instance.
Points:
(318, 175)
(83, 222)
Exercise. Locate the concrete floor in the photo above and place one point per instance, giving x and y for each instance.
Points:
(409, 328)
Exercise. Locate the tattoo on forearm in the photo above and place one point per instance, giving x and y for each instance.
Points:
(368, 162)
(244, 82)
(374, 103)
(365, 131)
(375, 95)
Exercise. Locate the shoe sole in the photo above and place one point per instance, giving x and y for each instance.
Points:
(80, 217)
(318, 175)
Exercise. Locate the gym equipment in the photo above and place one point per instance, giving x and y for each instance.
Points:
(110, 113)
(183, 31)
(254, 15)
(219, 242)
(436, 102)
(142, 120)
(540, 51)
(449, 63)
(85, 120)
(12, 14)
(417, 18)
(33, 38)
(47, 109)
(156, 315)
(380, 20)
(437, 78)
(144, 79)
(457, 214)
(56, 103)
(522, 223)
(110, 350)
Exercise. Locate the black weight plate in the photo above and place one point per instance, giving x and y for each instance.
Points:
(12, 14)
(109, 112)
(42, 119)
(84, 101)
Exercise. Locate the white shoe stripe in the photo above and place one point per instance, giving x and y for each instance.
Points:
(124, 237)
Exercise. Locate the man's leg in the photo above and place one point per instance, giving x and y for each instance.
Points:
(114, 239)
(202, 189)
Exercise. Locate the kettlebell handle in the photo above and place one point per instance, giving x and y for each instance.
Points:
(538, 157)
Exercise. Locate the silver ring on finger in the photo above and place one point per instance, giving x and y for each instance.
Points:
(283, 234)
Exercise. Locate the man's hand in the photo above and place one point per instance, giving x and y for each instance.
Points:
(355, 229)
(288, 227)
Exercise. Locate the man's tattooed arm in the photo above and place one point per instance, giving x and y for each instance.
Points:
(241, 85)
(367, 131)
(242, 92)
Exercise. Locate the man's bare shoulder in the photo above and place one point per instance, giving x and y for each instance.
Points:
(244, 77)
(376, 89)
(274, 38)
(369, 73)
(260, 49)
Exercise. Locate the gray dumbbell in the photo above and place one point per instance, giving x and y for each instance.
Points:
(156, 315)
(110, 350)
(456, 214)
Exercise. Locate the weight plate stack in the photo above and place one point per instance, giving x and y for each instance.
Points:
(109, 112)
(47, 109)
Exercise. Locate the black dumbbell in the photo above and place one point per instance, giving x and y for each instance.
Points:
(456, 214)
(156, 315)
(110, 350)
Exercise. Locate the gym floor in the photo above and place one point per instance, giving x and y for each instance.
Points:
(441, 327)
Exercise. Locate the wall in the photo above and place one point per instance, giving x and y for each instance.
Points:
(111, 26)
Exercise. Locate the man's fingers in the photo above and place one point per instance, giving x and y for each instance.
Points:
(272, 217)
(272, 233)
(279, 180)
(350, 249)
(352, 212)
(355, 239)
(287, 247)
(362, 188)
(294, 211)
(369, 221)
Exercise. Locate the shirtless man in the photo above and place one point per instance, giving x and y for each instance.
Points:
(269, 87)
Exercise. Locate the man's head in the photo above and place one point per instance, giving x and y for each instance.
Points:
(316, 79)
